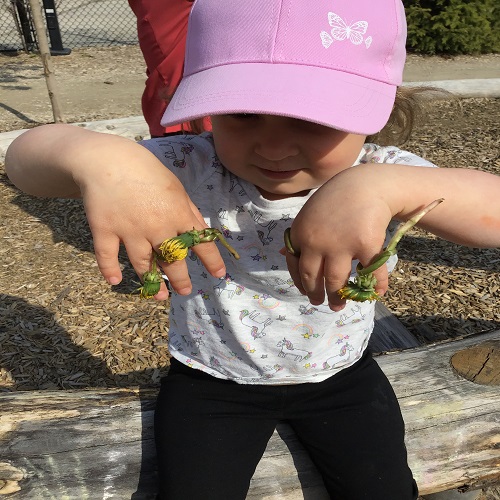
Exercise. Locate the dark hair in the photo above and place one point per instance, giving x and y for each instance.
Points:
(409, 108)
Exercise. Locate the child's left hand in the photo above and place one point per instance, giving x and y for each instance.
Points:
(335, 227)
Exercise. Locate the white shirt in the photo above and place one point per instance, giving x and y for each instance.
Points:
(253, 326)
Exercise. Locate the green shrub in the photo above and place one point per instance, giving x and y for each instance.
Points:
(453, 26)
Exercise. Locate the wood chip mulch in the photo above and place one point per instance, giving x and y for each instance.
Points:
(62, 327)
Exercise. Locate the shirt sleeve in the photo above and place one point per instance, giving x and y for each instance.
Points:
(391, 154)
(190, 158)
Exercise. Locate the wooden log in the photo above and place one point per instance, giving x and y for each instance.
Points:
(389, 333)
(98, 443)
(479, 364)
(452, 424)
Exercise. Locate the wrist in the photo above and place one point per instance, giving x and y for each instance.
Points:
(364, 188)
(382, 183)
(110, 161)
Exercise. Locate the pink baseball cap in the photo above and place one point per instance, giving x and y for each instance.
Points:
(333, 62)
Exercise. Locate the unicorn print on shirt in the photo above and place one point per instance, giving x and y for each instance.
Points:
(265, 239)
(355, 315)
(287, 350)
(310, 309)
(213, 318)
(339, 359)
(250, 319)
(178, 159)
(228, 286)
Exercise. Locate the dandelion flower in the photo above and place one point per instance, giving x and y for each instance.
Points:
(176, 248)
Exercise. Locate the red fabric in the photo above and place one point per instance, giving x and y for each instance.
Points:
(162, 29)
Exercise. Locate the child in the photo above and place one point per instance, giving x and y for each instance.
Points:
(293, 89)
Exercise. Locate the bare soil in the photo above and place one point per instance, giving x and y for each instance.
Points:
(92, 84)
(104, 83)
(62, 326)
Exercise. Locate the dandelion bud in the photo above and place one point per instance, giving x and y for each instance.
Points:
(151, 284)
(352, 292)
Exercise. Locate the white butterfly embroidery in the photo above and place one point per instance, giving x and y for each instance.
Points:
(341, 31)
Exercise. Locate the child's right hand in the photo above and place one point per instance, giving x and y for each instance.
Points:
(141, 216)
(129, 197)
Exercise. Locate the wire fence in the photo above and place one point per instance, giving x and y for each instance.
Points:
(70, 24)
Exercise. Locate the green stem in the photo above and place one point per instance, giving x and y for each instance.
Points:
(153, 262)
(224, 242)
(410, 223)
(390, 249)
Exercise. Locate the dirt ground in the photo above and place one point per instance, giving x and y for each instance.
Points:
(104, 83)
(93, 84)
(61, 326)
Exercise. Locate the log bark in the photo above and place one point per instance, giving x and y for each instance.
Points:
(98, 443)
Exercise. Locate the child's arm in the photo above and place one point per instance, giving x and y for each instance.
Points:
(346, 219)
(129, 196)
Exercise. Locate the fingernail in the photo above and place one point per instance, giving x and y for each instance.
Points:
(161, 296)
(184, 291)
(113, 280)
(336, 308)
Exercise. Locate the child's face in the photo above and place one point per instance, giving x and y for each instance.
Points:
(282, 156)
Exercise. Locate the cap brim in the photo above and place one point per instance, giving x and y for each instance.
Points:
(332, 98)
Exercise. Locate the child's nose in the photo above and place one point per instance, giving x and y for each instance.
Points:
(275, 146)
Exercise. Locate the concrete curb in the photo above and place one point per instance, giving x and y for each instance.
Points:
(488, 87)
(135, 126)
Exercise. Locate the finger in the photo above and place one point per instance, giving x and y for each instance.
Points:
(211, 258)
(140, 256)
(336, 272)
(197, 215)
(311, 277)
(178, 276)
(292, 263)
(382, 276)
(208, 253)
(106, 247)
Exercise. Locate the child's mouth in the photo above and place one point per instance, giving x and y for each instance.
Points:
(279, 174)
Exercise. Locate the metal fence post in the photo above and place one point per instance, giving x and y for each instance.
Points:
(23, 24)
(56, 45)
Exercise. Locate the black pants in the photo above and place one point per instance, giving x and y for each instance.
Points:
(211, 433)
